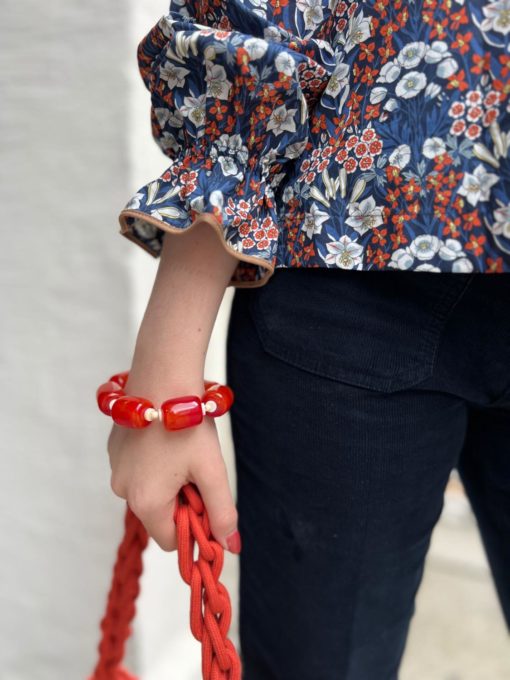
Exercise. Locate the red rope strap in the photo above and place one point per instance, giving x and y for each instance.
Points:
(220, 660)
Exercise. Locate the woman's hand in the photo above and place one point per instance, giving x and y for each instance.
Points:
(150, 466)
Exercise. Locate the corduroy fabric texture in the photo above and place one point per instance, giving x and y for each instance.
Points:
(367, 391)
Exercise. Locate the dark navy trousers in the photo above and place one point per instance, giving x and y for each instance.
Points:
(356, 393)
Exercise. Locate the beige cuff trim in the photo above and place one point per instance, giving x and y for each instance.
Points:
(207, 218)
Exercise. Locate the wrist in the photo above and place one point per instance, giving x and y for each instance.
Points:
(159, 376)
(159, 385)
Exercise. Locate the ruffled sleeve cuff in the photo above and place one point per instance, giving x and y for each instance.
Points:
(193, 192)
(229, 112)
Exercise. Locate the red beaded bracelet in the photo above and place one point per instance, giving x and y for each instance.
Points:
(175, 414)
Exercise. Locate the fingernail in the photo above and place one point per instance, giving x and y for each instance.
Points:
(234, 542)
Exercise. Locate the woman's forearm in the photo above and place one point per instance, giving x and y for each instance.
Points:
(174, 335)
(150, 465)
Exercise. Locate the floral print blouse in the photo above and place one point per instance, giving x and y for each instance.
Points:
(370, 134)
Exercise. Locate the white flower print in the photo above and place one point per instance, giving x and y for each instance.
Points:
(232, 155)
(359, 31)
(364, 216)
(134, 202)
(401, 259)
(313, 220)
(171, 213)
(433, 146)
(233, 144)
(216, 198)
(476, 186)
(462, 266)
(312, 12)
(174, 75)
(256, 47)
(450, 249)
(296, 149)
(229, 167)
(391, 104)
(285, 63)
(436, 52)
(389, 72)
(401, 156)
(378, 94)
(271, 33)
(424, 247)
(168, 141)
(502, 224)
(433, 90)
(216, 78)
(288, 194)
(426, 268)
(339, 79)
(197, 204)
(447, 68)
(410, 84)
(281, 120)
(194, 109)
(411, 54)
(497, 17)
(268, 158)
(344, 253)
(162, 116)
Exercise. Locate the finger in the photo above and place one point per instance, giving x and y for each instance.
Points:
(155, 512)
(211, 478)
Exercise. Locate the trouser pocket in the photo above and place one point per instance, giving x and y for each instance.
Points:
(378, 330)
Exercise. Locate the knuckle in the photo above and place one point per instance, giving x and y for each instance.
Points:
(166, 544)
(116, 486)
(166, 538)
(227, 520)
(141, 501)
(110, 447)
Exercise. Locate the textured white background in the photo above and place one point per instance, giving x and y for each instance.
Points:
(75, 145)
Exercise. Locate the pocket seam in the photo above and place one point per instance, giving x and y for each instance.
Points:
(398, 381)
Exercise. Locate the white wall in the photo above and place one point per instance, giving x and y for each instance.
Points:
(75, 144)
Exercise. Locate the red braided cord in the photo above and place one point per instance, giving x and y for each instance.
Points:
(220, 660)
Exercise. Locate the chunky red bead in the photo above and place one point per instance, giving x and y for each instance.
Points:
(106, 393)
(181, 412)
(120, 378)
(128, 411)
(175, 414)
(223, 397)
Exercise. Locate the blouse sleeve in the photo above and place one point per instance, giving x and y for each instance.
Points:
(231, 93)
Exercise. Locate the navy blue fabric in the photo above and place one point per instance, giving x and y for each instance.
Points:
(366, 135)
(355, 396)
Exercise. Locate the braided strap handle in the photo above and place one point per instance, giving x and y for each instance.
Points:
(220, 660)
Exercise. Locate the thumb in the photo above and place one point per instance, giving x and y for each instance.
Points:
(211, 478)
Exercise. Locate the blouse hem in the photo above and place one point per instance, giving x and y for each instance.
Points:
(206, 218)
